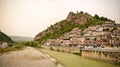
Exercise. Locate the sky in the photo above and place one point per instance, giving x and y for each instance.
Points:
(30, 17)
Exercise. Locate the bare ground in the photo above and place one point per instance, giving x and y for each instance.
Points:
(28, 57)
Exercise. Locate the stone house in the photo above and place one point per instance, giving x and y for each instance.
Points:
(3, 44)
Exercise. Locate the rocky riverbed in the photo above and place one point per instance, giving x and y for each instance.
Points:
(28, 57)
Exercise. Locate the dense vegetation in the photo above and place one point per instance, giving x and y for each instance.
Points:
(15, 47)
(11, 45)
(31, 44)
(4, 37)
(64, 26)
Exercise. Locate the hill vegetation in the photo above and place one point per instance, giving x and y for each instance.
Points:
(5, 38)
(79, 19)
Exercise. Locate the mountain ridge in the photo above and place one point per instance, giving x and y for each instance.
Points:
(21, 38)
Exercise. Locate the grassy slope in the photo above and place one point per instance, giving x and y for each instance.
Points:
(71, 60)
(16, 47)
(4, 37)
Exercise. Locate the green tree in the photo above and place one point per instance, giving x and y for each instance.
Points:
(96, 16)
(81, 12)
(31, 43)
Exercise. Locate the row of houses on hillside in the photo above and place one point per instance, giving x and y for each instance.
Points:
(105, 35)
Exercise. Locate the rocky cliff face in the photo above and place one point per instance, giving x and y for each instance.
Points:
(79, 18)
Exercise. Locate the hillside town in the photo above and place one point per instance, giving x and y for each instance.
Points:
(100, 42)
(105, 35)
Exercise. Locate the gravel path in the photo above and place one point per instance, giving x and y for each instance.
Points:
(29, 57)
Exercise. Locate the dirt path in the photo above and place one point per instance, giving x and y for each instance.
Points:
(29, 57)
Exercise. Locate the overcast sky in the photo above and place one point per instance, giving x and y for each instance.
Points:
(29, 17)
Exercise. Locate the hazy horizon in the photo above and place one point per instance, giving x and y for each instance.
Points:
(29, 17)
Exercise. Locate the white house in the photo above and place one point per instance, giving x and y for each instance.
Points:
(3, 44)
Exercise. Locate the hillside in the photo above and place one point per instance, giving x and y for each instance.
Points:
(107, 34)
(80, 19)
(4, 37)
(20, 38)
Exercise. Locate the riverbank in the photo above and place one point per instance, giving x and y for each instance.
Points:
(13, 48)
(28, 57)
(72, 60)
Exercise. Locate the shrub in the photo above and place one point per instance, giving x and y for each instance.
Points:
(16, 47)
(58, 50)
(51, 48)
(31, 43)
(19, 46)
(96, 16)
